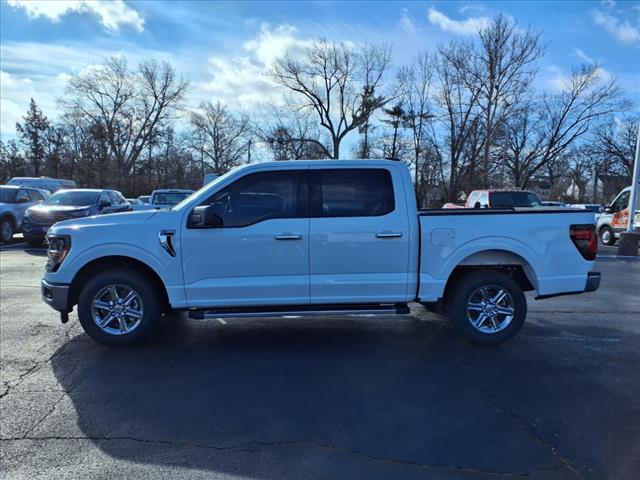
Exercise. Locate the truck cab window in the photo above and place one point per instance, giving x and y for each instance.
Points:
(621, 202)
(261, 196)
(357, 192)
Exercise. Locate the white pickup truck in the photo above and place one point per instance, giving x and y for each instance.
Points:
(300, 238)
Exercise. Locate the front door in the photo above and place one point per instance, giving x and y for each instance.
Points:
(359, 236)
(260, 255)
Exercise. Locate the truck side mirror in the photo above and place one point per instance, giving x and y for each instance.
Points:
(211, 218)
(608, 210)
(102, 205)
(205, 217)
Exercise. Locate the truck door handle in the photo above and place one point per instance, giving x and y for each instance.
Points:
(288, 236)
(389, 234)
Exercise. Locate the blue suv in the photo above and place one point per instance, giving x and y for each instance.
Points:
(68, 204)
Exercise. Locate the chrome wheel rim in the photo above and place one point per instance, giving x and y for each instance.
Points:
(605, 236)
(117, 309)
(490, 309)
(7, 231)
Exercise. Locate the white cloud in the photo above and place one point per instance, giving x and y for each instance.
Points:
(622, 30)
(583, 56)
(273, 43)
(559, 80)
(112, 14)
(469, 26)
(242, 81)
(406, 24)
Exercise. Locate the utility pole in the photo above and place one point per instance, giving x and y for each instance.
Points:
(633, 198)
(629, 240)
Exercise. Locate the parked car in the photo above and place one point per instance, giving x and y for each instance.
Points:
(614, 219)
(14, 201)
(315, 238)
(502, 199)
(168, 197)
(44, 183)
(137, 204)
(144, 199)
(66, 204)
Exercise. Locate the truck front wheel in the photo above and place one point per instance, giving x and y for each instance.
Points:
(119, 307)
(487, 307)
(607, 237)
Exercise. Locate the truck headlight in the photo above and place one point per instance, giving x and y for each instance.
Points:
(57, 250)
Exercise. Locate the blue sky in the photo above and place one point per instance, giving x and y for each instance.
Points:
(226, 48)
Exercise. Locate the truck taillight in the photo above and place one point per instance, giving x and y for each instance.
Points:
(585, 239)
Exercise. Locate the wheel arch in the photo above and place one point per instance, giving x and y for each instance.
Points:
(10, 216)
(497, 260)
(110, 262)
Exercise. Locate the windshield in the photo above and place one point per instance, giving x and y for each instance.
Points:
(169, 198)
(8, 195)
(514, 199)
(73, 198)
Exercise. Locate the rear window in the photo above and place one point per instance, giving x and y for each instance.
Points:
(8, 195)
(169, 198)
(358, 192)
(514, 199)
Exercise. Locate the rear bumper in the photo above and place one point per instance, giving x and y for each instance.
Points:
(591, 285)
(593, 282)
(55, 295)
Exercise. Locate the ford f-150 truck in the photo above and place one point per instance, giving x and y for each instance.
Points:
(324, 237)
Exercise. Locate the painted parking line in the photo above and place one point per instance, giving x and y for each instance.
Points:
(613, 258)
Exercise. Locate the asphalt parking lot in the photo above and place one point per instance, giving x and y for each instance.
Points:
(395, 397)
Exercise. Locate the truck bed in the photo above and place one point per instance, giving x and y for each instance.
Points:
(535, 240)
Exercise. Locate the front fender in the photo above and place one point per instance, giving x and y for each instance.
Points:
(167, 268)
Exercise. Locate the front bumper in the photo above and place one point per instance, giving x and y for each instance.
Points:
(55, 295)
(36, 230)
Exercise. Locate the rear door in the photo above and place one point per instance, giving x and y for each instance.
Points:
(359, 236)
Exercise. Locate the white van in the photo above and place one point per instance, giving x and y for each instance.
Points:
(44, 183)
(615, 217)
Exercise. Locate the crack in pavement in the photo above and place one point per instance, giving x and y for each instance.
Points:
(67, 340)
(256, 447)
(521, 422)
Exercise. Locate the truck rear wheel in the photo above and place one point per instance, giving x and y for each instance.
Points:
(487, 307)
(119, 307)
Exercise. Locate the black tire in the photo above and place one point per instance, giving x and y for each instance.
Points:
(151, 301)
(467, 288)
(35, 242)
(606, 235)
(7, 229)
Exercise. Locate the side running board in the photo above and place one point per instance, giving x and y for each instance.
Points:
(301, 311)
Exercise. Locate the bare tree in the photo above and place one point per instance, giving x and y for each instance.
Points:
(502, 67)
(336, 82)
(415, 86)
(291, 133)
(615, 144)
(539, 133)
(222, 138)
(453, 137)
(129, 106)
